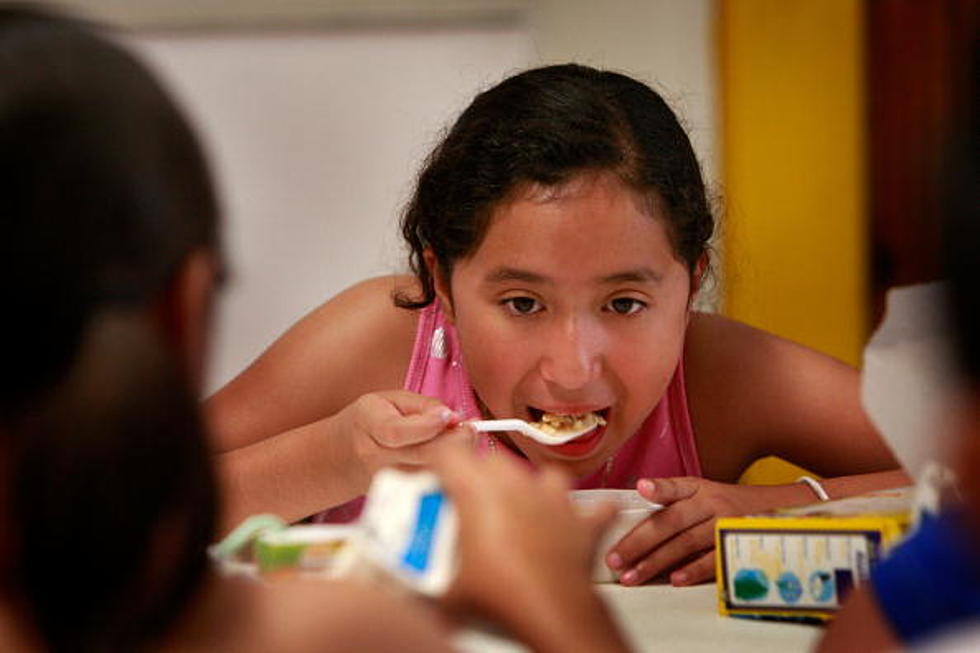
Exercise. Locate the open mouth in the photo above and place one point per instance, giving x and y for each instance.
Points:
(591, 425)
(562, 424)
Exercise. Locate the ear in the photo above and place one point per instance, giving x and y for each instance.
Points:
(183, 312)
(697, 278)
(440, 283)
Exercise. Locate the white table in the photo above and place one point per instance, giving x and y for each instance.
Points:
(686, 619)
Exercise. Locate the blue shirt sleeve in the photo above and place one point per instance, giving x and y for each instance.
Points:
(930, 581)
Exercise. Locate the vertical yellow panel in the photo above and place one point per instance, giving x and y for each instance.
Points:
(795, 255)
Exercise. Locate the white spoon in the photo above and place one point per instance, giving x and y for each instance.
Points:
(532, 432)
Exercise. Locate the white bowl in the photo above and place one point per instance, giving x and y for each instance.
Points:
(633, 509)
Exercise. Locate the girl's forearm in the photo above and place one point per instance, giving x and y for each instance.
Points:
(845, 486)
(293, 475)
(798, 494)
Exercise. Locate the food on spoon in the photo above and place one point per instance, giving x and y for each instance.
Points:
(554, 424)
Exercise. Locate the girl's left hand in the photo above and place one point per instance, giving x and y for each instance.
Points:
(679, 539)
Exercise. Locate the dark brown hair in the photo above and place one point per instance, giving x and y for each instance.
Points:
(544, 126)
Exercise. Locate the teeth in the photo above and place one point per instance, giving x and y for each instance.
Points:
(554, 424)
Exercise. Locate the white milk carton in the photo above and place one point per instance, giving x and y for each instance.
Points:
(408, 530)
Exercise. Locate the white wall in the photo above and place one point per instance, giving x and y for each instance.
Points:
(668, 44)
(315, 139)
(316, 136)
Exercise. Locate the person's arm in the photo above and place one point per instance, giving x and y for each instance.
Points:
(295, 432)
(525, 555)
(859, 626)
(331, 461)
(751, 395)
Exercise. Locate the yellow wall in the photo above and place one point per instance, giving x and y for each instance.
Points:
(794, 243)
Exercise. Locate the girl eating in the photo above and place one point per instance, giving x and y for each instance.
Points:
(558, 236)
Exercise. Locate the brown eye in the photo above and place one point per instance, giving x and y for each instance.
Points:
(522, 305)
(626, 305)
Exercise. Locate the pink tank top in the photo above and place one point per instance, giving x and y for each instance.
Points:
(662, 447)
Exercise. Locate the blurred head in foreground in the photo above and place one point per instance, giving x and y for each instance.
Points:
(108, 252)
(962, 263)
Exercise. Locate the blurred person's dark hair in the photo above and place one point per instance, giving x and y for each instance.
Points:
(961, 203)
(109, 497)
(961, 258)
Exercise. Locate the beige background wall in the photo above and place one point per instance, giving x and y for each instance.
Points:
(315, 139)
(669, 44)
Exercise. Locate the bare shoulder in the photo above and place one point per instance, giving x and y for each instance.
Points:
(727, 353)
(714, 347)
(358, 341)
(710, 335)
(365, 301)
(360, 332)
(721, 354)
(759, 394)
(363, 316)
(724, 335)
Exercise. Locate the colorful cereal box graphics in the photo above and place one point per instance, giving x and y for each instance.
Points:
(802, 563)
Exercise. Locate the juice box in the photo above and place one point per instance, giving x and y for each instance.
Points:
(800, 563)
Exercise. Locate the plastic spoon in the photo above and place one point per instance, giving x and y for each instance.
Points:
(532, 432)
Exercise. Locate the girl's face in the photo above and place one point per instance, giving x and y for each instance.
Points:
(574, 302)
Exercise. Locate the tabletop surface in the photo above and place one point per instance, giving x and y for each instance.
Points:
(665, 618)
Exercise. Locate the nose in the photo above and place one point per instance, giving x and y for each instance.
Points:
(572, 354)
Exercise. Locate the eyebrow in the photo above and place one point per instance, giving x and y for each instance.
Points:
(504, 273)
(640, 275)
(635, 275)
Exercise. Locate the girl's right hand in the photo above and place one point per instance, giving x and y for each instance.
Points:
(397, 428)
(330, 461)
